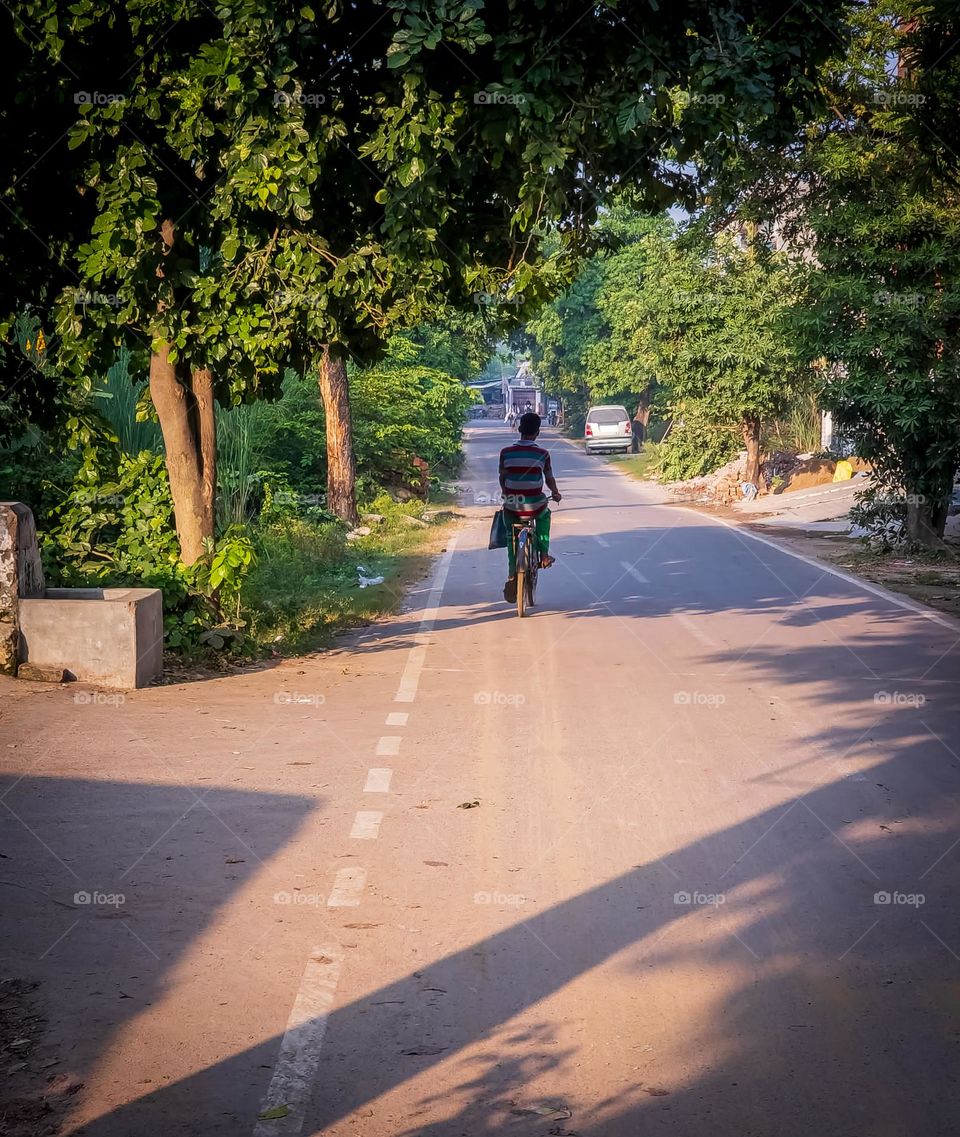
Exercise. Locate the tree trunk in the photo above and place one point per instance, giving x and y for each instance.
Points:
(341, 464)
(642, 417)
(926, 522)
(174, 403)
(206, 435)
(188, 424)
(750, 429)
(644, 408)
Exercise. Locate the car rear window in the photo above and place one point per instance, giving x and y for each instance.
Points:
(607, 414)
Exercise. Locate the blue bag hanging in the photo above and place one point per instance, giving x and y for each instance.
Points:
(499, 537)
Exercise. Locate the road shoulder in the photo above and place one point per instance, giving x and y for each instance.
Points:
(929, 585)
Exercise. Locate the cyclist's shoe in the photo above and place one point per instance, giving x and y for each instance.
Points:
(510, 590)
(546, 560)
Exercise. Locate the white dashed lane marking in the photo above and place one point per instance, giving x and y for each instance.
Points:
(378, 781)
(347, 886)
(295, 1071)
(410, 680)
(695, 629)
(634, 572)
(296, 1065)
(366, 825)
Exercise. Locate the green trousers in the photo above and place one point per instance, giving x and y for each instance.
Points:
(543, 536)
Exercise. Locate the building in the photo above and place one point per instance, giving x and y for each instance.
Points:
(522, 392)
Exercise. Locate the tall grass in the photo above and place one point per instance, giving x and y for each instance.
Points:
(799, 430)
(241, 444)
(117, 398)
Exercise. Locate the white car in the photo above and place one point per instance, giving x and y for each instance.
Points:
(608, 428)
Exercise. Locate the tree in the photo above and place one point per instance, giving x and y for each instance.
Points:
(716, 332)
(885, 217)
(584, 342)
(867, 198)
(269, 187)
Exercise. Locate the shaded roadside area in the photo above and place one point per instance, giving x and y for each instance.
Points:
(109, 888)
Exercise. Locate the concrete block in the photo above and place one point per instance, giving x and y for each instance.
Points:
(109, 636)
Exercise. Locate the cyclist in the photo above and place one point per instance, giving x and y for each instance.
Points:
(524, 468)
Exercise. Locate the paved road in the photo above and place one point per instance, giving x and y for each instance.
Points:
(707, 884)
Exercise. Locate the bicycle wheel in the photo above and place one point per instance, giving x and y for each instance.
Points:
(523, 569)
(533, 569)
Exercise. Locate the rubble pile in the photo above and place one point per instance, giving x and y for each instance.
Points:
(780, 472)
(722, 485)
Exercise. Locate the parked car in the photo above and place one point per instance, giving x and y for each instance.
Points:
(607, 429)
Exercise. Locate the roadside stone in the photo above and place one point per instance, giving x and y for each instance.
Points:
(37, 674)
(373, 519)
(21, 576)
(413, 522)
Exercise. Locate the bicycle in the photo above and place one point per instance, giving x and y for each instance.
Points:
(528, 564)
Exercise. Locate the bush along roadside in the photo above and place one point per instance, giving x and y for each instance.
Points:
(287, 580)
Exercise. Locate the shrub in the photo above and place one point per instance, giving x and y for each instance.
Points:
(694, 447)
(117, 529)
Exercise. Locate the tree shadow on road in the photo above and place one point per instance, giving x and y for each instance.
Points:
(828, 1001)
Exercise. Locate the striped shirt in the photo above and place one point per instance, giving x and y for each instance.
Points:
(523, 468)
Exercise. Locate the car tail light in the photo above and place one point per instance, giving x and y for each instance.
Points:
(588, 431)
(627, 428)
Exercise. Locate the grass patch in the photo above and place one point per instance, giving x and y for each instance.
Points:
(642, 466)
(305, 587)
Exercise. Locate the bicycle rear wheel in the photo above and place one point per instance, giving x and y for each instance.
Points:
(523, 570)
(533, 568)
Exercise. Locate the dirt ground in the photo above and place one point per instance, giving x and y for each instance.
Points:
(35, 1093)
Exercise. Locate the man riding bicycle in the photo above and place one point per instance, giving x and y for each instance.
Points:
(524, 467)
